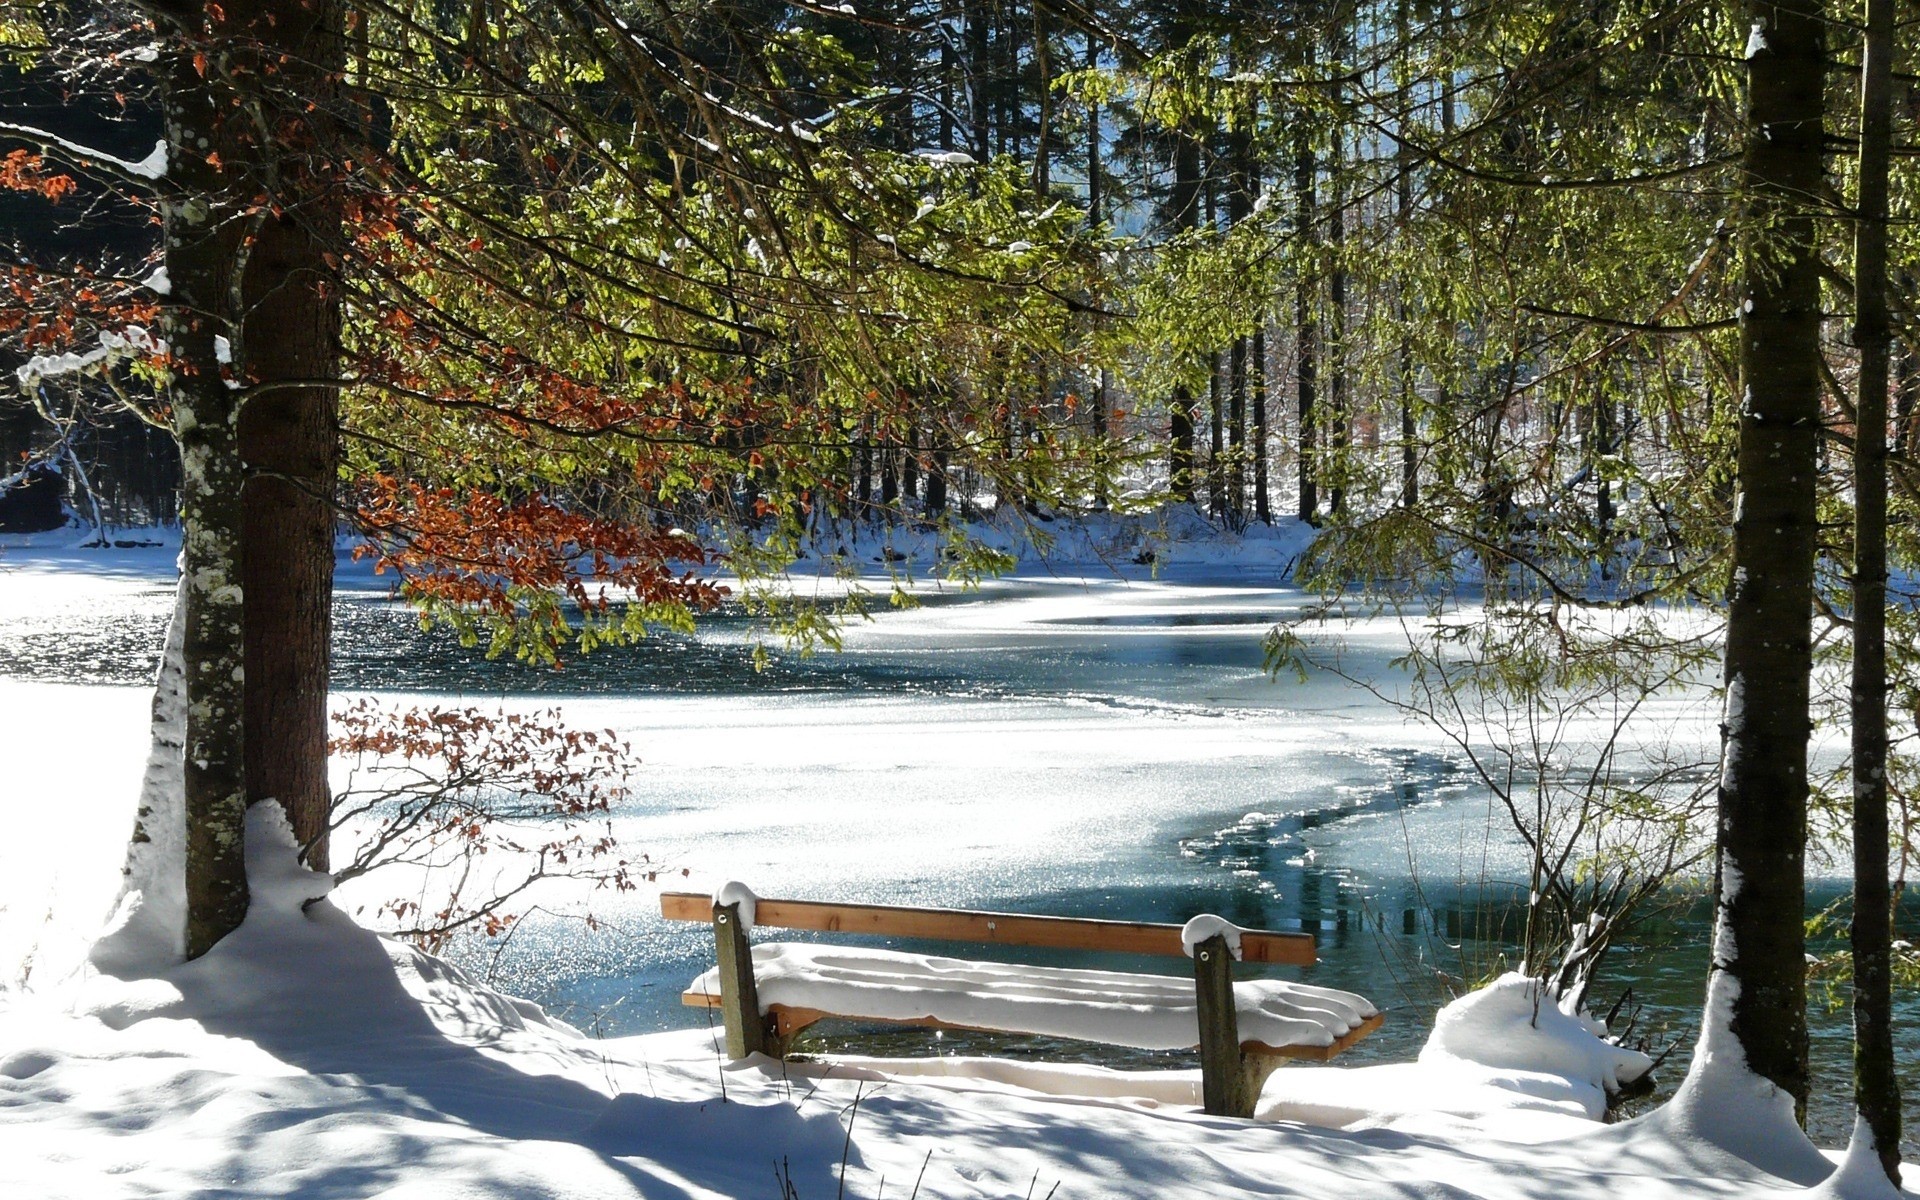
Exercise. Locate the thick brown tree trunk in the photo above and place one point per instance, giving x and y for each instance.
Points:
(289, 438)
(1760, 941)
(245, 93)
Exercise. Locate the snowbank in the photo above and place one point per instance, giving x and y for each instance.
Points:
(1511, 1024)
(305, 1057)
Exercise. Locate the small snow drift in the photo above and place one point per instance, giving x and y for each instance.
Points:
(1505, 1056)
(1512, 1024)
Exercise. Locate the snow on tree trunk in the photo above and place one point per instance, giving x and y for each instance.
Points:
(208, 231)
(148, 927)
(1756, 1009)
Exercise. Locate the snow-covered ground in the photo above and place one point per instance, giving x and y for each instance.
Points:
(307, 1057)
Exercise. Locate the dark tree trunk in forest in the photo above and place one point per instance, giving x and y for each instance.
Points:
(1403, 208)
(1216, 440)
(862, 472)
(1242, 181)
(1237, 429)
(937, 484)
(1338, 422)
(1306, 328)
(889, 477)
(1257, 432)
(1184, 206)
(1098, 415)
(1759, 958)
(1876, 1088)
(978, 69)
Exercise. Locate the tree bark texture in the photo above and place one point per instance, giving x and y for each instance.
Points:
(1306, 330)
(1760, 940)
(204, 235)
(1876, 1088)
(289, 438)
(241, 145)
(1184, 206)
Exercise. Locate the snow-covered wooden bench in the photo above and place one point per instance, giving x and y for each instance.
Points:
(768, 993)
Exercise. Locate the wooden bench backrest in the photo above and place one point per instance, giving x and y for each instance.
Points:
(1010, 929)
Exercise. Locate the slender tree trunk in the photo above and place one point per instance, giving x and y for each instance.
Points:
(862, 471)
(1216, 440)
(1237, 430)
(1601, 439)
(910, 463)
(1758, 982)
(978, 68)
(1043, 68)
(1185, 205)
(1098, 413)
(1403, 208)
(1241, 183)
(1876, 1089)
(1339, 422)
(1306, 327)
(889, 476)
(1257, 433)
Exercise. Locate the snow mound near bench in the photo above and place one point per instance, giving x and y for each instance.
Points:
(1512, 1024)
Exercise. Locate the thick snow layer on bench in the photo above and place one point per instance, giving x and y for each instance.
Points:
(1152, 1012)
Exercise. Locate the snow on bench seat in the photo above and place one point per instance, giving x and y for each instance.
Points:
(1151, 1012)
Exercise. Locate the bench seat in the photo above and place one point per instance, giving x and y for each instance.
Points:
(799, 983)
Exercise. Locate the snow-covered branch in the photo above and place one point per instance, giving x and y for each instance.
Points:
(142, 174)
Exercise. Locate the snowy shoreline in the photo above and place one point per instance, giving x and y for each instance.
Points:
(309, 1057)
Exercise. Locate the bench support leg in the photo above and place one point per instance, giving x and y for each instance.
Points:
(1226, 1084)
(739, 998)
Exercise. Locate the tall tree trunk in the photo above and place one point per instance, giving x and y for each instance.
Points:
(979, 67)
(1757, 985)
(1257, 433)
(1185, 206)
(289, 439)
(1403, 208)
(1216, 440)
(889, 477)
(910, 463)
(1098, 414)
(204, 233)
(1241, 183)
(862, 472)
(1306, 326)
(1339, 421)
(1876, 1089)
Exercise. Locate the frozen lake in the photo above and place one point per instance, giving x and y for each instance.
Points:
(1083, 746)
